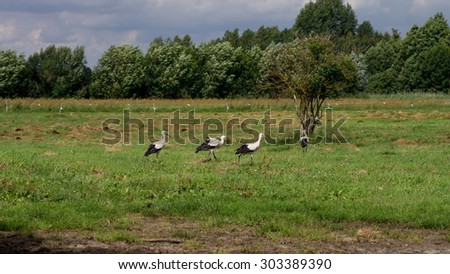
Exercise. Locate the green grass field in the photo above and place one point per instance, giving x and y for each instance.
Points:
(56, 175)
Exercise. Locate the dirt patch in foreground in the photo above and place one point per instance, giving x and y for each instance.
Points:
(175, 235)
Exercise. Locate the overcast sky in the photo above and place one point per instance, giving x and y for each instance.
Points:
(29, 25)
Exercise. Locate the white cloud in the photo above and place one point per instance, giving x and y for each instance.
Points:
(35, 36)
(429, 7)
(7, 31)
(418, 6)
(131, 37)
(371, 6)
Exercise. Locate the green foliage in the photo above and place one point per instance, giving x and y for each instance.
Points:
(171, 69)
(435, 69)
(384, 82)
(119, 73)
(365, 29)
(326, 17)
(213, 70)
(416, 46)
(310, 71)
(262, 38)
(361, 71)
(12, 74)
(338, 21)
(366, 37)
(247, 39)
(382, 56)
(309, 67)
(219, 60)
(228, 71)
(59, 72)
(417, 62)
(247, 73)
(232, 37)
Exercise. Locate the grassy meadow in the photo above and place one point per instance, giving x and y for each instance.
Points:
(55, 174)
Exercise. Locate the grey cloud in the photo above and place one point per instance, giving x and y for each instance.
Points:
(27, 25)
(401, 15)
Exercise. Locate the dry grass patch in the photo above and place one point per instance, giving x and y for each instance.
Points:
(368, 233)
(405, 142)
(113, 148)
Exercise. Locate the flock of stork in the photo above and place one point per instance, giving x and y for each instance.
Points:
(210, 144)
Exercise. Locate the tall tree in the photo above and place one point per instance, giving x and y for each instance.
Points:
(232, 37)
(326, 17)
(365, 29)
(417, 62)
(58, 72)
(119, 73)
(435, 68)
(246, 72)
(379, 60)
(266, 36)
(414, 48)
(218, 62)
(12, 74)
(382, 56)
(171, 69)
(247, 40)
(366, 37)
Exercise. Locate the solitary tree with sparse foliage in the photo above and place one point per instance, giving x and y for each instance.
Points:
(310, 71)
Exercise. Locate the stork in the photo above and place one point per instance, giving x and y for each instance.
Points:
(211, 144)
(249, 148)
(304, 141)
(156, 147)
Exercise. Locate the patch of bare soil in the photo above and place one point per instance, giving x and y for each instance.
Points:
(445, 139)
(29, 132)
(40, 133)
(175, 235)
(404, 142)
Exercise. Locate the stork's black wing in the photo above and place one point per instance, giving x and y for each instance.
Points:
(203, 147)
(243, 149)
(151, 149)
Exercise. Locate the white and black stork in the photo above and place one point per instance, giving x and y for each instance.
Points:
(304, 141)
(156, 147)
(249, 148)
(211, 144)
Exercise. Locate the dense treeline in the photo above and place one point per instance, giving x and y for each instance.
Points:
(239, 63)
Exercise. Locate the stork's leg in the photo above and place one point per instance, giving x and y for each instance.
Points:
(209, 155)
(251, 159)
(239, 158)
(214, 155)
